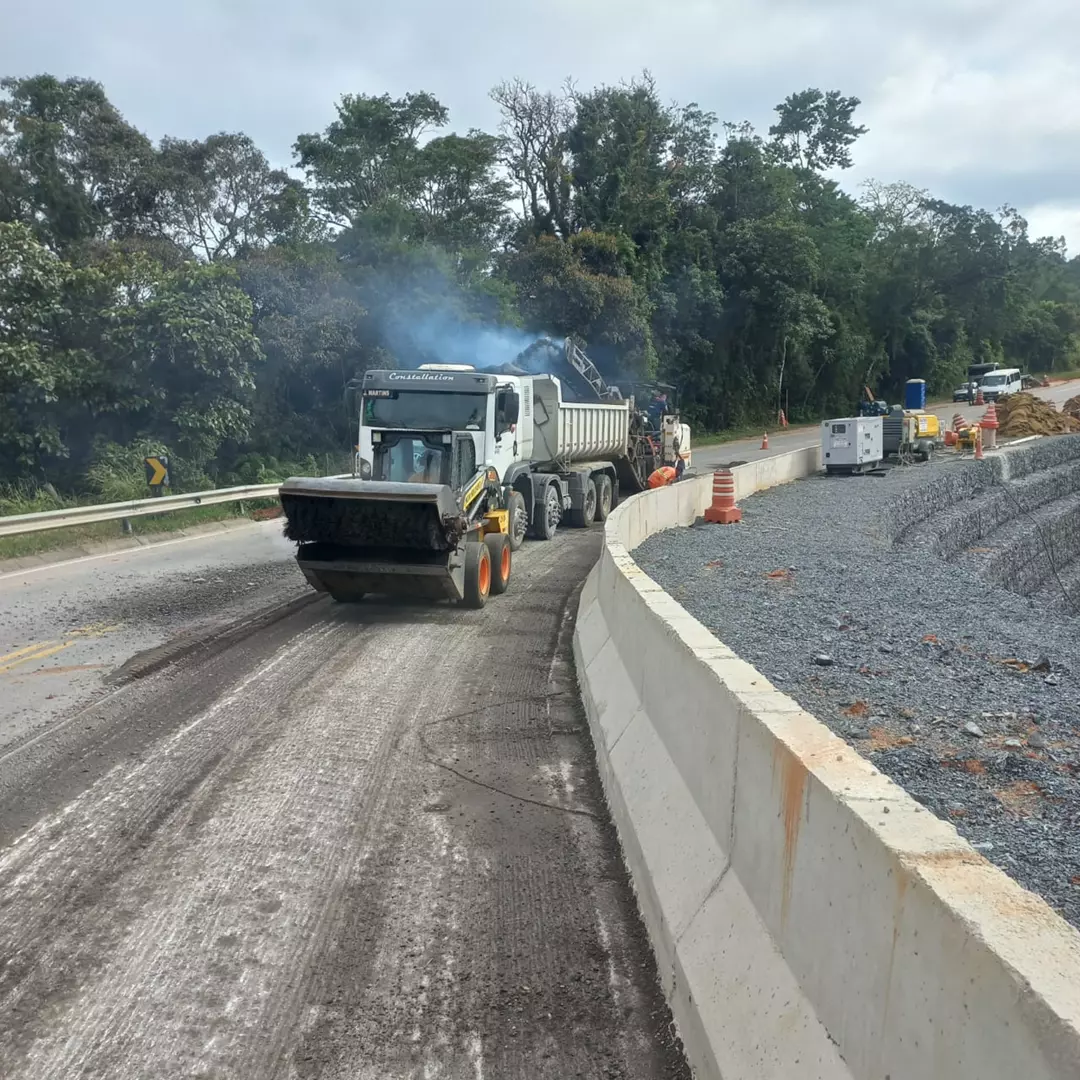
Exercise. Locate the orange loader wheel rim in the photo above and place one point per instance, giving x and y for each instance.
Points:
(485, 574)
(504, 568)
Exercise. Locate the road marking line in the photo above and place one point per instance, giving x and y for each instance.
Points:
(36, 656)
(25, 649)
(210, 535)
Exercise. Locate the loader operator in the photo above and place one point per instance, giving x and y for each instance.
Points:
(429, 471)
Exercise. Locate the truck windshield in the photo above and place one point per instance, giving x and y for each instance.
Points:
(995, 380)
(418, 410)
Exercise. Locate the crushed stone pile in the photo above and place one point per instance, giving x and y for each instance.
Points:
(1021, 415)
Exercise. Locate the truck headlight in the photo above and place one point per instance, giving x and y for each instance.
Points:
(365, 469)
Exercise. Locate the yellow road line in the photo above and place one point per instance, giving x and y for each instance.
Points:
(26, 649)
(40, 655)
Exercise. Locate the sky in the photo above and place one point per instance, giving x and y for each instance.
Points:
(971, 99)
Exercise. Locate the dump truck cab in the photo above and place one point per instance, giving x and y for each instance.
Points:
(421, 423)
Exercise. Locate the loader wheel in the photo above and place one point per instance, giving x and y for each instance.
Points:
(498, 547)
(604, 493)
(519, 519)
(477, 574)
(547, 513)
(583, 518)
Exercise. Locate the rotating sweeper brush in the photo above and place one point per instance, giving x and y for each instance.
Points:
(409, 540)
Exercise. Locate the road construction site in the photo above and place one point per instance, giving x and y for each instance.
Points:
(928, 616)
(250, 832)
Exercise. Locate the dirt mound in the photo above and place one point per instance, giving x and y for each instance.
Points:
(1023, 414)
(1072, 407)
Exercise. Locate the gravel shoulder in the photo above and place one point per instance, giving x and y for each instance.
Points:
(965, 692)
(362, 841)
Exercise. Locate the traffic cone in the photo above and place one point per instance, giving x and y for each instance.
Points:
(978, 444)
(723, 510)
(958, 422)
(989, 425)
(783, 419)
(979, 399)
(765, 441)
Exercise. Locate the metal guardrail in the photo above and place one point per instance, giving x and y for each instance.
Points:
(17, 524)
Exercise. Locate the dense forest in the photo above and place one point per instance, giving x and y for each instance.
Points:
(188, 296)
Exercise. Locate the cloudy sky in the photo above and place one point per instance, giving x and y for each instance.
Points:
(973, 99)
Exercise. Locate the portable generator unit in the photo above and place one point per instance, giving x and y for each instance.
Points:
(852, 444)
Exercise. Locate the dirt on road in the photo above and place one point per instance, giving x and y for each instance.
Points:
(353, 841)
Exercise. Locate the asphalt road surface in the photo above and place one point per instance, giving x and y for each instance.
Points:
(343, 841)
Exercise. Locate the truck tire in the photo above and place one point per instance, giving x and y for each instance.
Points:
(547, 513)
(582, 518)
(477, 574)
(519, 519)
(604, 495)
(499, 549)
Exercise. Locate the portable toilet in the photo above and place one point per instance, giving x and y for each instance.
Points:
(915, 394)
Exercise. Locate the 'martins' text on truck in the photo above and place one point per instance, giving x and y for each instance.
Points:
(456, 467)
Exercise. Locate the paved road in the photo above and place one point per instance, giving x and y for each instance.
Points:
(348, 842)
(796, 438)
(65, 628)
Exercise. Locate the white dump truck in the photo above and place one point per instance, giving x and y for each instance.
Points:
(449, 456)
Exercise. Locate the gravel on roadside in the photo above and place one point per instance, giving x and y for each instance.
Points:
(966, 694)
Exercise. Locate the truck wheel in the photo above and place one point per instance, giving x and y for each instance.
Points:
(498, 547)
(519, 519)
(548, 513)
(604, 494)
(477, 574)
(583, 518)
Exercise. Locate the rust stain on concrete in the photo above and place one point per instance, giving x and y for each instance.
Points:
(793, 776)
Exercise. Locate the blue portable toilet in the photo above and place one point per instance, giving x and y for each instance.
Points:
(915, 394)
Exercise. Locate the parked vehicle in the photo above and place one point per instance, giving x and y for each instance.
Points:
(965, 391)
(1001, 382)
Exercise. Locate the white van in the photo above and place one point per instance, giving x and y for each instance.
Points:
(1003, 381)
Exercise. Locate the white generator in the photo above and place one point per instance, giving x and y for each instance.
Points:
(852, 444)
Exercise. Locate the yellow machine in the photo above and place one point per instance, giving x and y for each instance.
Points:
(920, 434)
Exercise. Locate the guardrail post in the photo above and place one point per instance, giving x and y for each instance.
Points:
(125, 526)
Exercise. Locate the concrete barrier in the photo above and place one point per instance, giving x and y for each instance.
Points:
(810, 919)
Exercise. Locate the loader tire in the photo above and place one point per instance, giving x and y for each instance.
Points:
(519, 519)
(499, 549)
(477, 574)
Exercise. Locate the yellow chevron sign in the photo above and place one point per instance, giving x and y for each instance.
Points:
(157, 471)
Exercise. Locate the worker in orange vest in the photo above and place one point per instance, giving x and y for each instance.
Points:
(662, 477)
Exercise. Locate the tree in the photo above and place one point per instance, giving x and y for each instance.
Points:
(815, 131)
(533, 148)
(222, 200)
(72, 167)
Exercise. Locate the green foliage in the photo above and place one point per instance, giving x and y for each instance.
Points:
(190, 295)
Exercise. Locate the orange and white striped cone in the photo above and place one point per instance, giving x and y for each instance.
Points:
(765, 441)
(989, 426)
(723, 510)
(958, 422)
(979, 399)
(783, 419)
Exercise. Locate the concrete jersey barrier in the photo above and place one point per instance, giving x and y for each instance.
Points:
(811, 921)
